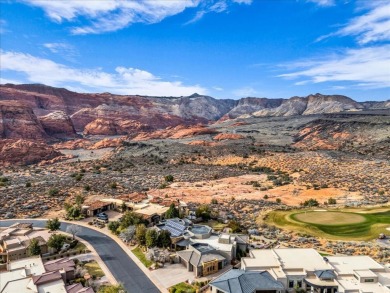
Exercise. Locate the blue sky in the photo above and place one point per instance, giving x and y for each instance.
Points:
(222, 48)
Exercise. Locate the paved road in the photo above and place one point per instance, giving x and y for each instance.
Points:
(118, 262)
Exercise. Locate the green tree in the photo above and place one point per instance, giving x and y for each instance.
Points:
(34, 248)
(164, 239)
(234, 226)
(112, 289)
(56, 241)
(113, 227)
(168, 178)
(123, 207)
(172, 212)
(79, 200)
(130, 218)
(53, 224)
(151, 238)
(140, 234)
(331, 200)
(73, 211)
(278, 200)
(203, 212)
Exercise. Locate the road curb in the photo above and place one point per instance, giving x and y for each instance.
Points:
(118, 241)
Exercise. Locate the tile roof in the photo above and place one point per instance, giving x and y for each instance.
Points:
(78, 288)
(46, 278)
(59, 264)
(196, 258)
(98, 205)
(239, 281)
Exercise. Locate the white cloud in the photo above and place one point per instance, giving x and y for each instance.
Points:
(372, 26)
(3, 25)
(65, 50)
(323, 2)
(364, 67)
(218, 6)
(122, 81)
(112, 15)
(247, 2)
(245, 92)
(218, 88)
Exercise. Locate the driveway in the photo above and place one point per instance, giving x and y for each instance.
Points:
(116, 259)
(171, 274)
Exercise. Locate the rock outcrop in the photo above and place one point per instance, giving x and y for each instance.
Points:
(312, 104)
(250, 105)
(228, 136)
(291, 107)
(102, 126)
(19, 121)
(24, 152)
(73, 144)
(319, 104)
(177, 132)
(57, 124)
(341, 134)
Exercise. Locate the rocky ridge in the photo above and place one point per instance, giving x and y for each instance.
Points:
(109, 114)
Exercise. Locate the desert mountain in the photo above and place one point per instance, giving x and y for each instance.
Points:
(58, 113)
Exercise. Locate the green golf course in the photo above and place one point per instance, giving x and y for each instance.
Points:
(346, 224)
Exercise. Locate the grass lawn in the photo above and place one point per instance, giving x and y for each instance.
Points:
(346, 224)
(94, 269)
(182, 288)
(141, 256)
(80, 246)
(217, 226)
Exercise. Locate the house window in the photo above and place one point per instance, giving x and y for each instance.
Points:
(299, 283)
(291, 284)
(369, 281)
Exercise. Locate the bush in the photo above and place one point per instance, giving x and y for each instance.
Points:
(113, 227)
(214, 201)
(168, 178)
(73, 244)
(54, 192)
(28, 184)
(311, 203)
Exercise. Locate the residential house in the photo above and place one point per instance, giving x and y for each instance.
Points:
(304, 269)
(239, 281)
(65, 266)
(15, 240)
(286, 265)
(29, 275)
(97, 207)
(202, 259)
